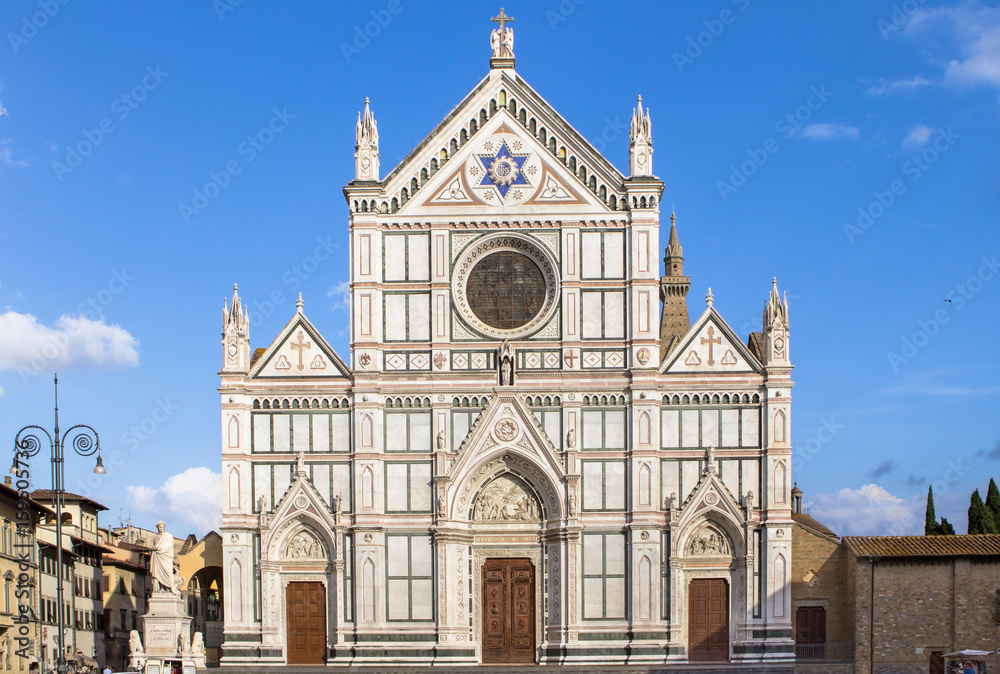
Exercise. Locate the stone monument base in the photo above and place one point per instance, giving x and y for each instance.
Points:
(167, 630)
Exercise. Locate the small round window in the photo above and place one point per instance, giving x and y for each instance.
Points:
(506, 290)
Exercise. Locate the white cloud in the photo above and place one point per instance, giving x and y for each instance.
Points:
(193, 498)
(28, 346)
(917, 136)
(342, 294)
(887, 87)
(3, 111)
(830, 131)
(976, 31)
(868, 511)
(7, 155)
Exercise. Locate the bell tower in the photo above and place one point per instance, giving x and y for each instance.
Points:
(674, 286)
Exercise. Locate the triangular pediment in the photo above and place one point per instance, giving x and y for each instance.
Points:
(299, 351)
(710, 346)
(301, 502)
(711, 500)
(504, 110)
(506, 423)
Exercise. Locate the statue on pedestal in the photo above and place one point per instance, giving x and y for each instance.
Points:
(161, 561)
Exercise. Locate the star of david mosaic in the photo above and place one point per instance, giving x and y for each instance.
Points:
(503, 169)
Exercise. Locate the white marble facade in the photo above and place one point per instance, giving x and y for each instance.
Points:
(447, 438)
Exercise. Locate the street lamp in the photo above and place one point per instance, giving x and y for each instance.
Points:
(27, 444)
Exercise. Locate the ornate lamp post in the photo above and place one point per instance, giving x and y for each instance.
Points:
(85, 442)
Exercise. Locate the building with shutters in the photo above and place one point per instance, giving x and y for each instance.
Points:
(531, 453)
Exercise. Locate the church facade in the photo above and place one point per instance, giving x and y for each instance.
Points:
(532, 453)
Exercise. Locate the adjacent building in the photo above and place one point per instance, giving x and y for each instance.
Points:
(915, 599)
(20, 631)
(531, 453)
(126, 588)
(80, 575)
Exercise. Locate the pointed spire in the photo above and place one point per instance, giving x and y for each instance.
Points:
(234, 314)
(367, 127)
(641, 124)
(366, 147)
(640, 149)
(299, 304)
(673, 243)
(709, 298)
(775, 307)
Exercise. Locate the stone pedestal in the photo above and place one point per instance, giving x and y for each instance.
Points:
(163, 628)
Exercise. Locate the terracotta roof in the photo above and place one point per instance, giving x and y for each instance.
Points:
(755, 342)
(979, 545)
(807, 521)
(46, 496)
(257, 353)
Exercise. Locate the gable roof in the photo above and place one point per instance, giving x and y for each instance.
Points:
(807, 521)
(299, 321)
(976, 545)
(677, 356)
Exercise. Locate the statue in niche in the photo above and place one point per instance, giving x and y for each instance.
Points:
(505, 360)
(442, 439)
(303, 546)
(708, 541)
(503, 500)
(571, 439)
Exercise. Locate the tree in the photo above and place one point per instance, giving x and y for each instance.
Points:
(980, 517)
(993, 503)
(946, 528)
(931, 527)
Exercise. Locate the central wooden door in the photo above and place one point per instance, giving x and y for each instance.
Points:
(708, 620)
(508, 610)
(306, 608)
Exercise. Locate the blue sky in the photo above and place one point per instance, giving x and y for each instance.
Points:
(773, 124)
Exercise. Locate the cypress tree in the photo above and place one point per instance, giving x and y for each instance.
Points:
(931, 527)
(946, 528)
(993, 503)
(980, 517)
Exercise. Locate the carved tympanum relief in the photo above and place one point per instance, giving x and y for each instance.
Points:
(303, 546)
(506, 500)
(708, 542)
